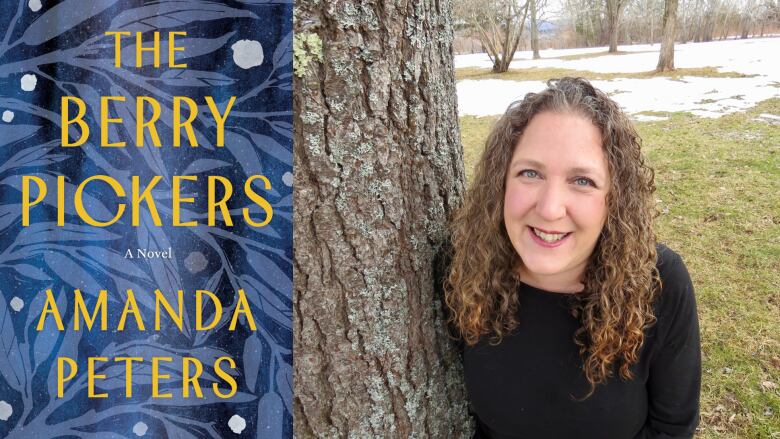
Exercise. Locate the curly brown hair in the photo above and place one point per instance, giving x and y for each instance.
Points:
(621, 279)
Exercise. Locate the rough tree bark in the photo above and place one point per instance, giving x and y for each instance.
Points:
(378, 169)
(666, 57)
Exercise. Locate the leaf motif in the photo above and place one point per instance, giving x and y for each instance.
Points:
(143, 295)
(101, 435)
(273, 148)
(11, 365)
(195, 78)
(32, 157)
(284, 384)
(259, 295)
(270, 416)
(61, 18)
(203, 165)
(277, 277)
(243, 151)
(284, 202)
(47, 232)
(283, 128)
(283, 53)
(253, 356)
(9, 213)
(30, 271)
(72, 273)
(208, 398)
(13, 133)
(174, 13)
(174, 431)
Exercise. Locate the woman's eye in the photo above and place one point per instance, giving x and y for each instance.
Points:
(530, 173)
(582, 181)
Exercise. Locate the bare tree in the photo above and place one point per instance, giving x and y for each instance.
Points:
(586, 18)
(378, 169)
(614, 8)
(499, 25)
(747, 18)
(666, 57)
(534, 11)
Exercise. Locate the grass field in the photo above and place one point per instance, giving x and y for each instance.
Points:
(719, 196)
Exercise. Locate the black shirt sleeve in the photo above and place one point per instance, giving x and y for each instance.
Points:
(675, 370)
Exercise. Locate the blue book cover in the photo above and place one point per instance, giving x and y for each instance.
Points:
(145, 218)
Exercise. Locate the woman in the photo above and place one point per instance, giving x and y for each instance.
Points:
(574, 322)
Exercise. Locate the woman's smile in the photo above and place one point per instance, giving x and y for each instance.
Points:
(548, 239)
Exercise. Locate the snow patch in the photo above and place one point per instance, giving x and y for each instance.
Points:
(237, 424)
(742, 56)
(702, 96)
(8, 116)
(29, 81)
(771, 119)
(648, 118)
(247, 53)
(493, 96)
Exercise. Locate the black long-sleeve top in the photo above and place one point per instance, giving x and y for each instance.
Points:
(531, 384)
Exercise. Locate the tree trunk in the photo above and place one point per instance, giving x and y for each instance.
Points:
(534, 30)
(652, 30)
(666, 57)
(684, 29)
(744, 27)
(613, 16)
(378, 169)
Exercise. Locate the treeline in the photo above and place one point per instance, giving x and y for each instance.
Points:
(697, 20)
(493, 25)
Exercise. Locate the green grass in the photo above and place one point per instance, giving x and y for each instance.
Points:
(719, 185)
(543, 74)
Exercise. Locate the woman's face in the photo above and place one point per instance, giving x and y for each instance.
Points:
(555, 198)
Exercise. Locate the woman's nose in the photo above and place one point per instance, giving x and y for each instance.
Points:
(551, 204)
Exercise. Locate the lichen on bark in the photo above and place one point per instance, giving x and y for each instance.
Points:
(378, 171)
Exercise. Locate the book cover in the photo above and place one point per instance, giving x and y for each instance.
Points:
(145, 218)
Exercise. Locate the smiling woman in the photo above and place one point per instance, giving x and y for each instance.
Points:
(574, 321)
